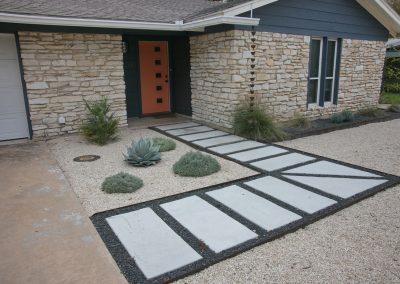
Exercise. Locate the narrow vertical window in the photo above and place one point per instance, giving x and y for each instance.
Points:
(330, 71)
(323, 77)
(315, 70)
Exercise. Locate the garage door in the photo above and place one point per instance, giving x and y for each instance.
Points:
(13, 121)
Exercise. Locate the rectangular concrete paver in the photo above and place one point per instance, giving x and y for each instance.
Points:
(210, 225)
(240, 146)
(280, 162)
(204, 135)
(342, 187)
(257, 153)
(177, 125)
(329, 168)
(190, 130)
(300, 198)
(219, 140)
(256, 209)
(156, 248)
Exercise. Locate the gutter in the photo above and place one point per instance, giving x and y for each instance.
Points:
(197, 25)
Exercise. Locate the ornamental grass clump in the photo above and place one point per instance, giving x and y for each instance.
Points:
(344, 116)
(101, 125)
(143, 153)
(165, 144)
(121, 183)
(252, 122)
(196, 164)
(299, 121)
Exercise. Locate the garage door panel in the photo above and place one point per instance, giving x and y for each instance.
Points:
(9, 73)
(13, 118)
(7, 47)
(11, 100)
(12, 127)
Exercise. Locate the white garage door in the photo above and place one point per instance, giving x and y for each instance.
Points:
(13, 121)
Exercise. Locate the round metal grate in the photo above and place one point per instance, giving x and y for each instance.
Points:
(86, 158)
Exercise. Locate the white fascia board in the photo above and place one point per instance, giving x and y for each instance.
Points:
(245, 7)
(221, 20)
(198, 25)
(384, 14)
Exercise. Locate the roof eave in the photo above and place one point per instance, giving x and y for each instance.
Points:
(384, 14)
(198, 25)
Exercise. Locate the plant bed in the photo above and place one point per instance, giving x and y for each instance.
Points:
(321, 126)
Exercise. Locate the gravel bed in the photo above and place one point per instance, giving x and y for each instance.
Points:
(159, 180)
(360, 244)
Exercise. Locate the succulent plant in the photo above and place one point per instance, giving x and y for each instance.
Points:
(143, 153)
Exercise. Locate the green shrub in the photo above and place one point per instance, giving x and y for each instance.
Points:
(196, 164)
(252, 122)
(101, 125)
(121, 183)
(390, 98)
(299, 121)
(337, 118)
(347, 116)
(371, 112)
(143, 153)
(392, 87)
(394, 108)
(165, 144)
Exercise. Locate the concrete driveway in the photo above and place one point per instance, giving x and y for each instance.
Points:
(46, 236)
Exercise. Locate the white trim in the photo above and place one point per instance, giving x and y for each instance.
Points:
(245, 7)
(333, 78)
(197, 25)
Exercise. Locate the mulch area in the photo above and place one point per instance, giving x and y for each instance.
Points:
(321, 126)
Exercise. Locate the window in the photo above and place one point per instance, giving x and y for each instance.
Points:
(324, 71)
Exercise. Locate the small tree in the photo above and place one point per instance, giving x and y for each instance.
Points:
(101, 125)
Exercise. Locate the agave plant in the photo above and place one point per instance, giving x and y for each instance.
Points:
(143, 153)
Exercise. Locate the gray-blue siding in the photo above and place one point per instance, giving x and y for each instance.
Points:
(332, 18)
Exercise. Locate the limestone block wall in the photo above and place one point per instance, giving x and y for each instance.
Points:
(63, 69)
(220, 72)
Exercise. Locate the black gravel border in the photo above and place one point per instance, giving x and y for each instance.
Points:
(134, 275)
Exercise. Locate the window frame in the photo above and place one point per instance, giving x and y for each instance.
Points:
(322, 72)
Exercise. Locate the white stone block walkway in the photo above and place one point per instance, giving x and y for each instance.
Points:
(168, 238)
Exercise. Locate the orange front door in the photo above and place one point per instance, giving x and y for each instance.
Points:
(154, 77)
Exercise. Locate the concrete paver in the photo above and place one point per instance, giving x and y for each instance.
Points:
(298, 197)
(342, 187)
(156, 248)
(207, 223)
(258, 210)
(329, 168)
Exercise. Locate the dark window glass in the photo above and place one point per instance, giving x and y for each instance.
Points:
(158, 88)
(157, 62)
(158, 75)
(157, 49)
(330, 60)
(328, 90)
(315, 52)
(312, 91)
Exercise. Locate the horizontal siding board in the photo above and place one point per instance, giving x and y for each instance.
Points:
(314, 15)
(336, 18)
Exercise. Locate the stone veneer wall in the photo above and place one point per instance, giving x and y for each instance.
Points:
(62, 69)
(220, 75)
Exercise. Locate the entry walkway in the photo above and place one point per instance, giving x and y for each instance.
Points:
(46, 236)
(168, 238)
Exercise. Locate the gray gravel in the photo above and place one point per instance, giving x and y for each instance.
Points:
(360, 244)
(159, 180)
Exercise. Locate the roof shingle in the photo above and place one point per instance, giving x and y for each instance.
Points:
(162, 11)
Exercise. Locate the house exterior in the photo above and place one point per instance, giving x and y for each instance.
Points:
(199, 58)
